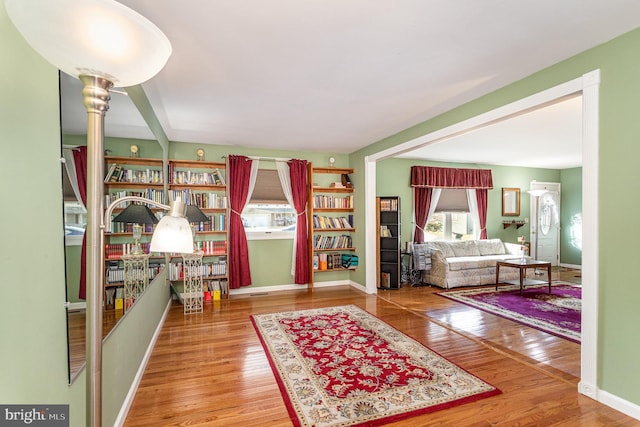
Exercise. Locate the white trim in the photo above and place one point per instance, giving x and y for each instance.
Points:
(128, 400)
(577, 267)
(370, 226)
(75, 306)
(590, 238)
(269, 235)
(588, 85)
(624, 406)
(293, 287)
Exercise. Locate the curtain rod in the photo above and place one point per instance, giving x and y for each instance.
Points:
(275, 159)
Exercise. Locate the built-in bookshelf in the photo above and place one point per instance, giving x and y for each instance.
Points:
(388, 241)
(203, 184)
(198, 183)
(332, 221)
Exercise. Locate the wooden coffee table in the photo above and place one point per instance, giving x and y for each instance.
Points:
(523, 266)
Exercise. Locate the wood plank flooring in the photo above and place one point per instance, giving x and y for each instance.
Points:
(209, 369)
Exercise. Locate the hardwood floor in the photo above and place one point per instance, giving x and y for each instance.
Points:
(210, 369)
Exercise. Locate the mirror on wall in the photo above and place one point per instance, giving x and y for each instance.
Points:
(73, 123)
(510, 202)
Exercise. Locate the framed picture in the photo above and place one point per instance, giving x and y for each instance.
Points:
(510, 201)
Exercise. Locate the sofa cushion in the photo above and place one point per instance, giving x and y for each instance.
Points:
(491, 247)
(465, 248)
(443, 247)
(475, 262)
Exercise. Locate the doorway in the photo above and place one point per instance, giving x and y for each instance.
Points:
(545, 221)
(588, 86)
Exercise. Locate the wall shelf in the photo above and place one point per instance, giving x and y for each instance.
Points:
(507, 224)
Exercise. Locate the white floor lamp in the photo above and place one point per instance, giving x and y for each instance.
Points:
(103, 43)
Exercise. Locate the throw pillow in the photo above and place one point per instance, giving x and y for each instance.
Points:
(491, 247)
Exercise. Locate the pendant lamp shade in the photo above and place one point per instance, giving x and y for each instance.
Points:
(92, 37)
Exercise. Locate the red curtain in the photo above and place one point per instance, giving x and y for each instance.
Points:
(80, 160)
(429, 176)
(422, 203)
(482, 199)
(299, 191)
(238, 176)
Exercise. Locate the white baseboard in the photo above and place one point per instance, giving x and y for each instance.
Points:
(247, 290)
(615, 402)
(579, 267)
(76, 306)
(128, 400)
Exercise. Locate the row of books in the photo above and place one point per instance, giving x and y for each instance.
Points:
(202, 200)
(329, 261)
(212, 247)
(388, 204)
(214, 177)
(219, 268)
(149, 193)
(217, 222)
(118, 250)
(328, 222)
(115, 272)
(331, 202)
(331, 242)
(197, 178)
(117, 173)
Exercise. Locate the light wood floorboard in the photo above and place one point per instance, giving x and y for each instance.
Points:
(210, 369)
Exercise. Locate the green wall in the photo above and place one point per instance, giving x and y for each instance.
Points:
(619, 131)
(393, 176)
(571, 216)
(33, 360)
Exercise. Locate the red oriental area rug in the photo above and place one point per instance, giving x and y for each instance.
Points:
(341, 366)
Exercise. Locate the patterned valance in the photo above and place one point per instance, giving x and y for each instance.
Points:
(432, 177)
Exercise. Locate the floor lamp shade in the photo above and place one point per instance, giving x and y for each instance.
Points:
(92, 37)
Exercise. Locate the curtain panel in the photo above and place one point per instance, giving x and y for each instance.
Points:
(80, 160)
(239, 182)
(300, 193)
(434, 177)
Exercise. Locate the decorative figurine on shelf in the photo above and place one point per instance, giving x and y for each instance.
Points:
(523, 247)
(200, 155)
(135, 151)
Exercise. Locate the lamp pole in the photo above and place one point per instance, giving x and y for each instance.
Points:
(96, 101)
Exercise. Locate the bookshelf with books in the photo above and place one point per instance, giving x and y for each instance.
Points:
(199, 183)
(203, 184)
(332, 221)
(388, 241)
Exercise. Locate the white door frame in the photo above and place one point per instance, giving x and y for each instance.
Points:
(588, 86)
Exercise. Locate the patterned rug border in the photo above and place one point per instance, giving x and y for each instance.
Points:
(289, 404)
(515, 317)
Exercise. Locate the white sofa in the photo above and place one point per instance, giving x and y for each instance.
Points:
(470, 262)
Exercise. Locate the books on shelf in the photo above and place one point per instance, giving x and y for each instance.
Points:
(332, 242)
(203, 200)
(328, 222)
(207, 269)
(117, 173)
(384, 231)
(388, 204)
(332, 202)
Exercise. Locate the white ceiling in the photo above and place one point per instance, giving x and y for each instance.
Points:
(337, 75)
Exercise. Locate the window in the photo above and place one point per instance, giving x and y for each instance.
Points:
(450, 226)
(451, 220)
(268, 215)
(75, 215)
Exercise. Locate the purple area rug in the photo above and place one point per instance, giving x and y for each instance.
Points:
(557, 313)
